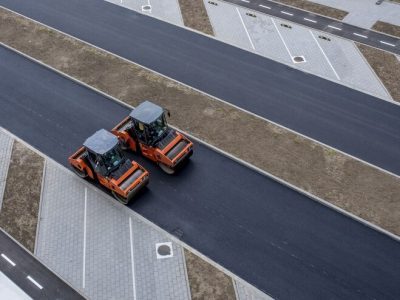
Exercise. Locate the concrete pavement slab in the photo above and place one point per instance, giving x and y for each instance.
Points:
(6, 144)
(246, 292)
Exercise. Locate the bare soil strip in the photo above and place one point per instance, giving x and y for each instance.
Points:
(206, 281)
(387, 28)
(386, 66)
(360, 189)
(195, 16)
(316, 8)
(19, 213)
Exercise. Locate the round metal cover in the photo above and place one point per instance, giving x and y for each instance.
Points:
(164, 250)
(298, 59)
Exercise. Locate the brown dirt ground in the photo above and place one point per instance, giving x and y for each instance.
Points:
(316, 8)
(343, 181)
(206, 281)
(387, 28)
(386, 66)
(195, 16)
(19, 212)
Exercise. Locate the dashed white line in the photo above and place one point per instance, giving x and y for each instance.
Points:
(34, 282)
(244, 26)
(309, 20)
(326, 57)
(333, 27)
(286, 13)
(264, 6)
(8, 260)
(360, 35)
(132, 259)
(247, 1)
(84, 242)
(280, 35)
(386, 43)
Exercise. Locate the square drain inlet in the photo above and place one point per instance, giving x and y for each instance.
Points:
(164, 250)
(298, 59)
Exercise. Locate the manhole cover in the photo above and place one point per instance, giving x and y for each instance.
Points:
(146, 8)
(164, 250)
(298, 59)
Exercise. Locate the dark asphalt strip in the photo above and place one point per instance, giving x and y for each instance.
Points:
(272, 236)
(26, 265)
(353, 122)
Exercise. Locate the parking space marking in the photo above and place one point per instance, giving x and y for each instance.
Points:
(333, 27)
(360, 35)
(326, 57)
(309, 20)
(286, 13)
(84, 241)
(244, 26)
(34, 282)
(132, 259)
(386, 43)
(283, 41)
(264, 6)
(8, 260)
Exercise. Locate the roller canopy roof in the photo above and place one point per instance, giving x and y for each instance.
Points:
(147, 112)
(101, 142)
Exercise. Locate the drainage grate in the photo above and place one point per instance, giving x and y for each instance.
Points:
(213, 3)
(322, 37)
(164, 250)
(286, 26)
(146, 8)
(298, 59)
(251, 15)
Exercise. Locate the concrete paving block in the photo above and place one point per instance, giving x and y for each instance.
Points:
(6, 143)
(246, 292)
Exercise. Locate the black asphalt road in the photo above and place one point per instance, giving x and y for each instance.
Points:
(279, 240)
(26, 265)
(351, 121)
(351, 32)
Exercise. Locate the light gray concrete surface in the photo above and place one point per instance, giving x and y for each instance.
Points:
(365, 13)
(247, 292)
(89, 239)
(6, 143)
(337, 60)
(167, 10)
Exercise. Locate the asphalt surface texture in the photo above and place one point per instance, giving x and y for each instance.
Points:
(283, 242)
(356, 123)
(357, 34)
(26, 265)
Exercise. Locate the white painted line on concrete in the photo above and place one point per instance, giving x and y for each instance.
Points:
(283, 41)
(132, 259)
(84, 242)
(8, 260)
(247, 1)
(244, 26)
(309, 20)
(386, 43)
(34, 282)
(360, 35)
(326, 57)
(286, 13)
(264, 6)
(333, 27)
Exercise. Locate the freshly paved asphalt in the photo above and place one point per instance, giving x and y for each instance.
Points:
(351, 121)
(27, 265)
(277, 239)
(369, 37)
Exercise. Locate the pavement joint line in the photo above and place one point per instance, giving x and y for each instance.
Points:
(84, 241)
(8, 259)
(280, 35)
(40, 206)
(386, 43)
(264, 6)
(309, 20)
(286, 13)
(34, 282)
(334, 27)
(360, 35)
(245, 29)
(214, 38)
(186, 273)
(326, 57)
(132, 259)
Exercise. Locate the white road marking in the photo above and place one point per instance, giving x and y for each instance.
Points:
(8, 260)
(34, 282)
(333, 27)
(264, 6)
(326, 57)
(132, 259)
(84, 241)
(360, 35)
(247, 1)
(280, 35)
(309, 20)
(244, 26)
(286, 13)
(386, 43)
